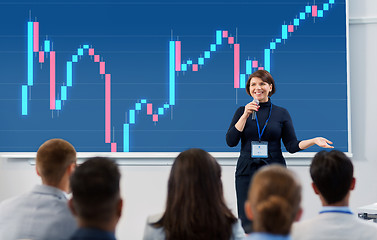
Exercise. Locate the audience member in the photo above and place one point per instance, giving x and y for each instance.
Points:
(273, 203)
(96, 200)
(43, 214)
(195, 206)
(332, 175)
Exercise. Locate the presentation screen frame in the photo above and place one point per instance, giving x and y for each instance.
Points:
(170, 101)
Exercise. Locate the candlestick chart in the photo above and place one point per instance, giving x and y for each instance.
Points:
(166, 76)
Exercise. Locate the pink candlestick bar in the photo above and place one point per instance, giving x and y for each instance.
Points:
(314, 11)
(102, 67)
(36, 36)
(41, 56)
(107, 108)
(261, 68)
(52, 80)
(149, 108)
(225, 34)
(177, 55)
(91, 52)
(290, 28)
(236, 65)
(113, 147)
(230, 40)
(254, 64)
(155, 118)
(96, 58)
(195, 67)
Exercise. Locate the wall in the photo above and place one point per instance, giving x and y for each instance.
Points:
(363, 59)
(144, 187)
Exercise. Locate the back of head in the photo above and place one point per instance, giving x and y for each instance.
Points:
(332, 173)
(95, 191)
(274, 198)
(53, 158)
(195, 207)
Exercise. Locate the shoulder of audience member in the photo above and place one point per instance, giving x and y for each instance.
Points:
(154, 218)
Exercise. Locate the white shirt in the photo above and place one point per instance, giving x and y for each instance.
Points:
(334, 223)
(152, 233)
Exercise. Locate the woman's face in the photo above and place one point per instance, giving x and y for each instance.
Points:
(259, 89)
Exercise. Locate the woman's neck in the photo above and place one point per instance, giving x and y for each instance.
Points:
(264, 100)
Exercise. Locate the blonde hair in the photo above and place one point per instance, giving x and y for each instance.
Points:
(274, 198)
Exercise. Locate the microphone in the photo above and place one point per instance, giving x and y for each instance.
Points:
(254, 113)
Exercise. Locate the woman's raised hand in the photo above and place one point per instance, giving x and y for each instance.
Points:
(250, 107)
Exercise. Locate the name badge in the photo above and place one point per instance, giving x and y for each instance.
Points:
(259, 149)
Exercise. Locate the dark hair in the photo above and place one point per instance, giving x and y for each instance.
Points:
(332, 173)
(53, 158)
(265, 76)
(274, 197)
(195, 206)
(95, 189)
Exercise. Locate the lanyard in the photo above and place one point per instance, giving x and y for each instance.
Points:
(265, 124)
(336, 211)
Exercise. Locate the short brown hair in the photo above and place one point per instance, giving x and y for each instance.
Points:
(265, 76)
(53, 158)
(274, 197)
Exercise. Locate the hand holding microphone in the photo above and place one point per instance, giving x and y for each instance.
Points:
(256, 101)
(251, 108)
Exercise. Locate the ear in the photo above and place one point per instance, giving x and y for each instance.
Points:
(299, 215)
(71, 168)
(120, 207)
(315, 188)
(353, 183)
(71, 207)
(36, 169)
(248, 210)
(270, 87)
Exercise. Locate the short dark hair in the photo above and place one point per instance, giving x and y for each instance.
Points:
(332, 173)
(95, 189)
(53, 158)
(265, 76)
